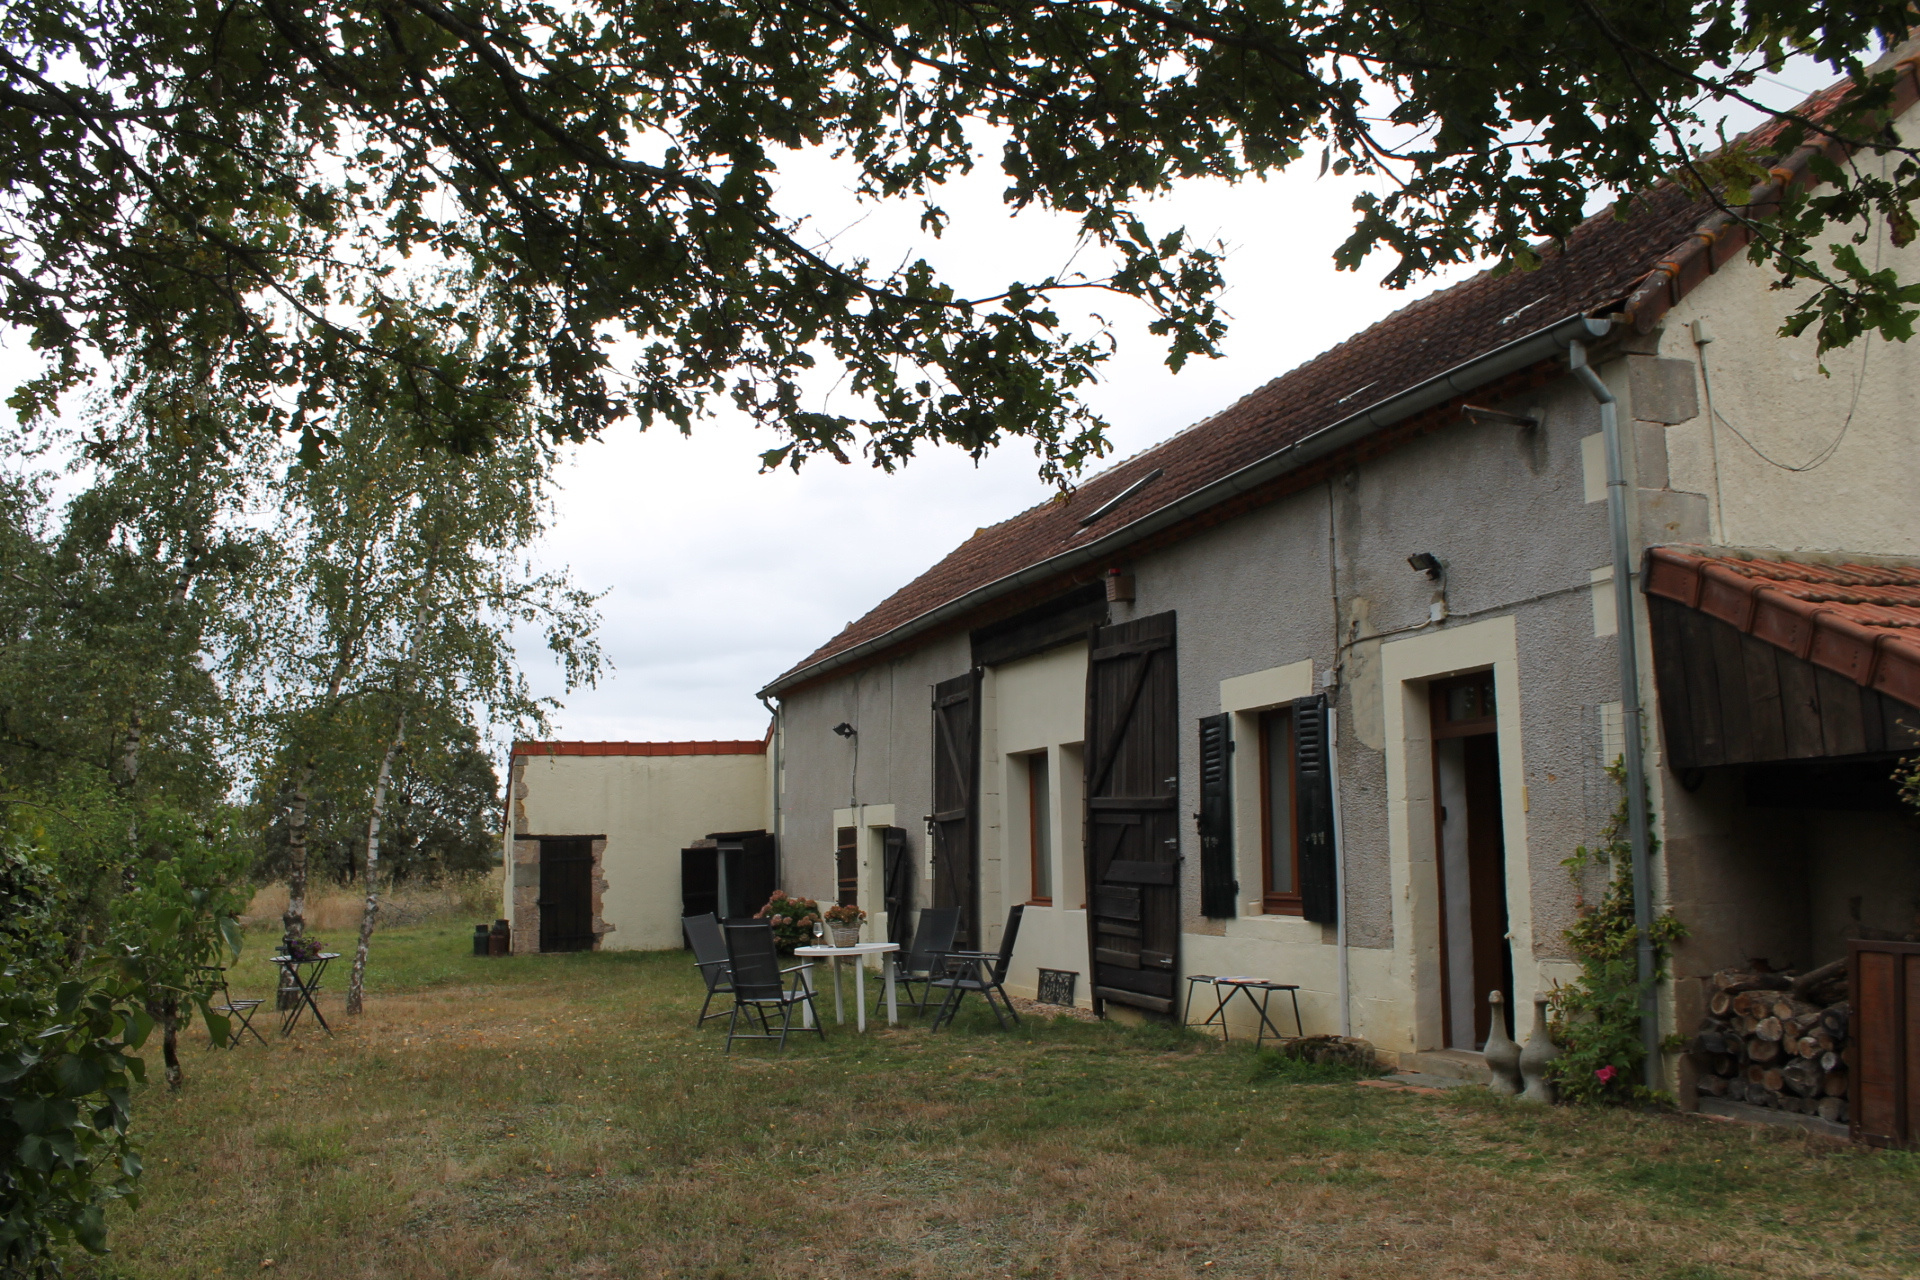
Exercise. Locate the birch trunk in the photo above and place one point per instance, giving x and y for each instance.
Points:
(295, 919)
(356, 984)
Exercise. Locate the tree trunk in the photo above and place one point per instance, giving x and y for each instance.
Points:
(356, 983)
(295, 918)
(166, 1012)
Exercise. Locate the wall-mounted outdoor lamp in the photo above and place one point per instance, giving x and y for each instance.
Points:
(1427, 563)
(845, 730)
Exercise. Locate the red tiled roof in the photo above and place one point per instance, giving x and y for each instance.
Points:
(738, 747)
(1638, 263)
(1862, 621)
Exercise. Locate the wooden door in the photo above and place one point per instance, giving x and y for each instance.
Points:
(1885, 1088)
(953, 828)
(1466, 738)
(896, 879)
(566, 894)
(1132, 831)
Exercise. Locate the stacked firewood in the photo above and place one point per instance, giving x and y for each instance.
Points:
(1777, 1039)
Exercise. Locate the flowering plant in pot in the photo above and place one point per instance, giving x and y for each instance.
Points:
(792, 918)
(843, 923)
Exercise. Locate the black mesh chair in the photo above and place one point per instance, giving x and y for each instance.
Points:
(982, 971)
(240, 1012)
(710, 957)
(760, 986)
(925, 957)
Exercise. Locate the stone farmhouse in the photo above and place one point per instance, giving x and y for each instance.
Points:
(1326, 688)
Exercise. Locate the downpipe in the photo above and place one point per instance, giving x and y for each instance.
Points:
(779, 850)
(1627, 642)
(1339, 871)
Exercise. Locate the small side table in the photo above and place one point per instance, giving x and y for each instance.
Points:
(857, 954)
(1258, 991)
(307, 984)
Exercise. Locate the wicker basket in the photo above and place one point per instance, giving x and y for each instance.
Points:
(843, 935)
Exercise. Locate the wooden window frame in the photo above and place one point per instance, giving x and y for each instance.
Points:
(1442, 727)
(1036, 823)
(1272, 903)
(846, 850)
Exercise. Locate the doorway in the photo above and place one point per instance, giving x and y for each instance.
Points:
(566, 893)
(1476, 956)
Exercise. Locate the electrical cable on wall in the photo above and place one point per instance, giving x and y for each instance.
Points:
(1821, 457)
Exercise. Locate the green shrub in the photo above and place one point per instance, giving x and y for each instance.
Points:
(1596, 1019)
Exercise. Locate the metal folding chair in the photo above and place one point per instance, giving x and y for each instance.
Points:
(982, 971)
(238, 1011)
(760, 986)
(710, 956)
(926, 956)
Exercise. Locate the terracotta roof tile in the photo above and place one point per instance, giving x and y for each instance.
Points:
(1612, 258)
(1862, 621)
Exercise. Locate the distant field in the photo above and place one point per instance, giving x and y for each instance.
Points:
(560, 1116)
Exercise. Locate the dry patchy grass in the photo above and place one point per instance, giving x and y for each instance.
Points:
(558, 1116)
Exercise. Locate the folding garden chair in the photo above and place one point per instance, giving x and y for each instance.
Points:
(982, 971)
(710, 957)
(925, 957)
(236, 1011)
(759, 986)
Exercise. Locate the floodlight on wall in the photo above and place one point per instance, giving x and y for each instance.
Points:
(1428, 563)
(845, 730)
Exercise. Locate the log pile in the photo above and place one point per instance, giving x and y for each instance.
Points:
(1777, 1039)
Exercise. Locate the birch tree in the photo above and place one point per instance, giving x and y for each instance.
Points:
(407, 572)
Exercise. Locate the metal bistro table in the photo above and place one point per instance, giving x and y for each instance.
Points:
(1257, 992)
(307, 986)
(857, 953)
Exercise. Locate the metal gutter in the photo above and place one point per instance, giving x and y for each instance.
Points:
(1543, 344)
(1627, 643)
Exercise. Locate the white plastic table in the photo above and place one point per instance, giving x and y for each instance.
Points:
(857, 953)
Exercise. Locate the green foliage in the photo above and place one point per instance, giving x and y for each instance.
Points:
(1906, 776)
(793, 919)
(216, 198)
(66, 1068)
(1596, 1019)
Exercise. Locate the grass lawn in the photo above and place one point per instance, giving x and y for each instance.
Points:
(560, 1116)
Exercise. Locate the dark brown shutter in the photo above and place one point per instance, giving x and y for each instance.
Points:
(897, 879)
(1313, 792)
(952, 828)
(1885, 1088)
(1133, 831)
(1219, 891)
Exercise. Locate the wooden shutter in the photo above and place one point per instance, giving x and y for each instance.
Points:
(1313, 794)
(1885, 1088)
(956, 773)
(1219, 891)
(1133, 832)
(897, 879)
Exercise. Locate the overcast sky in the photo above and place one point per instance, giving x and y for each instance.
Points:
(718, 577)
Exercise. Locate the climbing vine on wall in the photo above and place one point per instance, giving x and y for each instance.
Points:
(1596, 1018)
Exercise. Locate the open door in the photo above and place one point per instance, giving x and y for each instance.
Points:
(1475, 954)
(953, 827)
(1132, 828)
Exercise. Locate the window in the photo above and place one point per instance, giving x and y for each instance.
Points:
(1463, 706)
(1280, 834)
(846, 862)
(1040, 828)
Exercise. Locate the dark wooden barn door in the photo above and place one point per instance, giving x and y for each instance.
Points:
(956, 774)
(566, 894)
(1133, 836)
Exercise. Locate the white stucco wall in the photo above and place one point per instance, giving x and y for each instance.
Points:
(1770, 390)
(648, 808)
